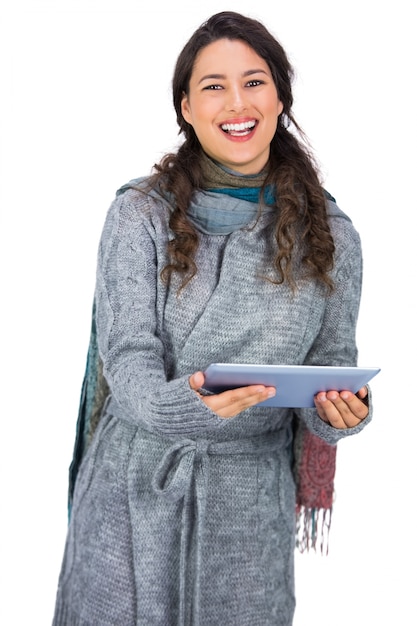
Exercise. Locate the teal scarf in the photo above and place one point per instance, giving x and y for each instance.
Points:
(247, 200)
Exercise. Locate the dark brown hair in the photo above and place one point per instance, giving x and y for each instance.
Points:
(302, 216)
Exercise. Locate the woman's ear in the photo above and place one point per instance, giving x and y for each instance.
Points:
(185, 108)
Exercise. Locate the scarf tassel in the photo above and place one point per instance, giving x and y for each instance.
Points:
(315, 467)
(312, 528)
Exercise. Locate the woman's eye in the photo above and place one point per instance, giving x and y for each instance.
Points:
(213, 87)
(254, 83)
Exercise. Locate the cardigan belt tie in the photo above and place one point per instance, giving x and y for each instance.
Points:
(182, 473)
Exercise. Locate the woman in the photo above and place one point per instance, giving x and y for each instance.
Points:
(184, 508)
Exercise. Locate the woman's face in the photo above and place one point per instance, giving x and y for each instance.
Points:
(233, 105)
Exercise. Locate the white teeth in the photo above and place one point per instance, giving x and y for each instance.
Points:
(238, 127)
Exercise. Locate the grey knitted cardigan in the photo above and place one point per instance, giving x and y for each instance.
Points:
(180, 517)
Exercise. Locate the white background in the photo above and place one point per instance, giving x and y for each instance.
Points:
(85, 106)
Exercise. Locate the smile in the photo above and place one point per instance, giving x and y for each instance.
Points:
(238, 130)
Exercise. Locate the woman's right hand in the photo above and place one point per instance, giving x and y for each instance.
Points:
(231, 403)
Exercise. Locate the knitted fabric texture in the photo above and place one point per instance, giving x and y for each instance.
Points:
(314, 459)
(179, 516)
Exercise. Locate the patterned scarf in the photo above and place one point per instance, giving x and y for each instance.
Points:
(314, 460)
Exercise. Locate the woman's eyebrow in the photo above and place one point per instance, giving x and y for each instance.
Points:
(212, 77)
(256, 71)
(223, 77)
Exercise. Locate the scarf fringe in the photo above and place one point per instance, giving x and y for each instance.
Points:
(313, 529)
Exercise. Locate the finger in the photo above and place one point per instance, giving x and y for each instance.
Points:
(196, 380)
(362, 394)
(341, 410)
(320, 403)
(231, 403)
(357, 406)
(328, 411)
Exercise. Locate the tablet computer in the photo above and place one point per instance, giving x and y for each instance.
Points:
(296, 385)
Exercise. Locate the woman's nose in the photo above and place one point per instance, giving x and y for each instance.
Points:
(236, 100)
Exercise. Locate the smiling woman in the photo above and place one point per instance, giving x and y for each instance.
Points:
(186, 506)
(232, 100)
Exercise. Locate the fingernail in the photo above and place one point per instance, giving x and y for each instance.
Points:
(271, 393)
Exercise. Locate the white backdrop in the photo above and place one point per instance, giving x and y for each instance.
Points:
(86, 106)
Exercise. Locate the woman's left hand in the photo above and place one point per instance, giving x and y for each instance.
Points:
(342, 409)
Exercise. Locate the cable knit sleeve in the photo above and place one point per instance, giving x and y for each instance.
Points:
(336, 341)
(129, 345)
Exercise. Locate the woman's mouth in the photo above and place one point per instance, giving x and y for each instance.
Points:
(240, 129)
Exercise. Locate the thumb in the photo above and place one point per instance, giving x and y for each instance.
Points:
(196, 380)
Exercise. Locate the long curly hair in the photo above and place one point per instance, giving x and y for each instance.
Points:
(301, 204)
